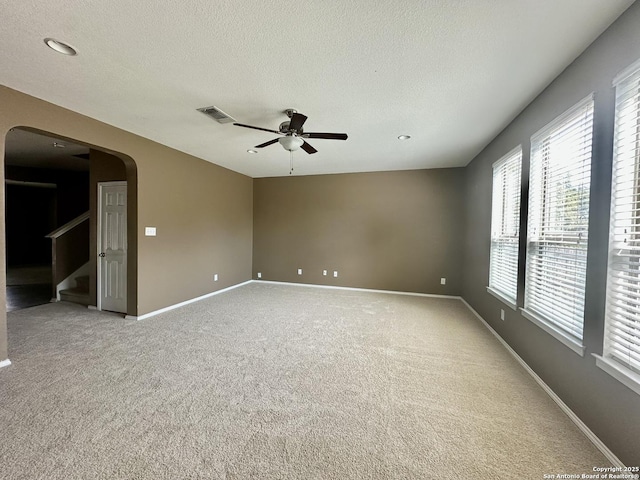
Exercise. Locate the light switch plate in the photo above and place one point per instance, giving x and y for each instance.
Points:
(335, 273)
(299, 271)
(150, 231)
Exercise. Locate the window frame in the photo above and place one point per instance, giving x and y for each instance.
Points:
(503, 172)
(542, 215)
(624, 216)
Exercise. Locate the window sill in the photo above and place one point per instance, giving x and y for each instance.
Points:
(619, 372)
(559, 335)
(502, 298)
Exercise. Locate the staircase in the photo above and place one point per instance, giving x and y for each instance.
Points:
(70, 260)
(78, 294)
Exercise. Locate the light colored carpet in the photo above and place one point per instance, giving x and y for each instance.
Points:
(276, 382)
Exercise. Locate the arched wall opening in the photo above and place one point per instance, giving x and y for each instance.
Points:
(27, 160)
(203, 213)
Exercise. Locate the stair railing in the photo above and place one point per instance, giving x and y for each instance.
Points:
(69, 248)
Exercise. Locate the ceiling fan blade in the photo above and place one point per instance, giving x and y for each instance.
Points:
(297, 120)
(327, 136)
(256, 128)
(308, 148)
(266, 144)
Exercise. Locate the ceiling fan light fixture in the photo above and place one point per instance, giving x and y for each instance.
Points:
(294, 135)
(291, 142)
(252, 151)
(404, 137)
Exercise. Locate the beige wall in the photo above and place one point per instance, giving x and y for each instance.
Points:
(204, 221)
(203, 212)
(386, 230)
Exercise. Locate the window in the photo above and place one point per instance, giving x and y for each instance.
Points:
(622, 320)
(558, 223)
(505, 227)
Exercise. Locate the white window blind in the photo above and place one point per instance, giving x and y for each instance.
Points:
(558, 221)
(505, 226)
(622, 331)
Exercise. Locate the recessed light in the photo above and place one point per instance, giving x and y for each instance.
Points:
(252, 151)
(60, 47)
(58, 145)
(404, 137)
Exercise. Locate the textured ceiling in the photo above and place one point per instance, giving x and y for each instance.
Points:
(450, 73)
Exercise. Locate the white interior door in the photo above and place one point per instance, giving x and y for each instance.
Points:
(112, 246)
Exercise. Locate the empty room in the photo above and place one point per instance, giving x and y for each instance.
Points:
(324, 240)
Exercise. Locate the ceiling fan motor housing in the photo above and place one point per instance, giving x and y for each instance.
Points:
(284, 126)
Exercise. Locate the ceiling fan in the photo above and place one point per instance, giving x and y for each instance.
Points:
(293, 135)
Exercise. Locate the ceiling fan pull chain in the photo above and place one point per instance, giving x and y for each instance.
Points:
(290, 162)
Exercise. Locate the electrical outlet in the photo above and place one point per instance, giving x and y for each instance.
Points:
(215, 277)
(324, 272)
(501, 314)
(299, 271)
(259, 275)
(443, 281)
(335, 273)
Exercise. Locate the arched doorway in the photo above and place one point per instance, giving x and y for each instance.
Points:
(51, 181)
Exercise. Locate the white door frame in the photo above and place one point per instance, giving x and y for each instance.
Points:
(99, 238)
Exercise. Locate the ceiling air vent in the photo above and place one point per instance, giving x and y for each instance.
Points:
(217, 114)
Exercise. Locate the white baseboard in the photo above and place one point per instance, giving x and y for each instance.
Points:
(186, 302)
(312, 285)
(354, 289)
(5, 363)
(563, 406)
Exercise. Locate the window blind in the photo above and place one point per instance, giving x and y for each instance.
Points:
(505, 225)
(558, 220)
(622, 320)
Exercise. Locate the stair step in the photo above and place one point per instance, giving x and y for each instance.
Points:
(82, 282)
(75, 295)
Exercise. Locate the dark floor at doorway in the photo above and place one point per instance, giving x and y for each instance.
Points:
(28, 286)
(24, 296)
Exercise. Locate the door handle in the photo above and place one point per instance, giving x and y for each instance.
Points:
(102, 254)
